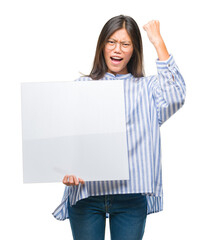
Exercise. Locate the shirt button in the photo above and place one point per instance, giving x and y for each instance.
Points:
(168, 65)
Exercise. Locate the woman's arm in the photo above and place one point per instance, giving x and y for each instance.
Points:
(167, 87)
(153, 32)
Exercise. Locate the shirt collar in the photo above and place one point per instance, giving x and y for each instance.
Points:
(117, 76)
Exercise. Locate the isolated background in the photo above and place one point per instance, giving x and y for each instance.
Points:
(54, 40)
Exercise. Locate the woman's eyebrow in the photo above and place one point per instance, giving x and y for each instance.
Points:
(112, 39)
(120, 41)
(126, 41)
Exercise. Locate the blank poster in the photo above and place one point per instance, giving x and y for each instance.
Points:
(75, 128)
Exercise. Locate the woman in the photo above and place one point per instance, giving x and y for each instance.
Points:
(149, 102)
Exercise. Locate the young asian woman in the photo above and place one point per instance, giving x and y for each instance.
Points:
(149, 102)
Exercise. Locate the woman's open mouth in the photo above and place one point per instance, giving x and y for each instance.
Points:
(116, 59)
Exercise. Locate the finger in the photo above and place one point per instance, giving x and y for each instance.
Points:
(158, 24)
(76, 181)
(71, 180)
(65, 179)
(81, 180)
(150, 22)
(145, 27)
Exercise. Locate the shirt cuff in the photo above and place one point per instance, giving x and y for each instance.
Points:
(166, 65)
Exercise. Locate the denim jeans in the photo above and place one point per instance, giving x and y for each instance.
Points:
(127, 217)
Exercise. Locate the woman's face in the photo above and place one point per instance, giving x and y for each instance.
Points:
(118, 51)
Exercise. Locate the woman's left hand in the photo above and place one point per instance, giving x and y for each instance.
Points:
(153, 32)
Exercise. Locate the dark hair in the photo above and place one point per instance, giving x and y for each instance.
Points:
(135, 65)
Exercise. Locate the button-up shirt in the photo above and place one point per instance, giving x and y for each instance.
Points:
(149, 102)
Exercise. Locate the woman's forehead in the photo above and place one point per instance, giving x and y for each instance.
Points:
(121, 35)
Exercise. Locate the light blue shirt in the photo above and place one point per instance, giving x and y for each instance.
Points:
(149, 102)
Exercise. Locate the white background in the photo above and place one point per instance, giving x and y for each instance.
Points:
(55, 40)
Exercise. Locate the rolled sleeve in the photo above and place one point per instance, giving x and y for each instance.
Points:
(166, 65)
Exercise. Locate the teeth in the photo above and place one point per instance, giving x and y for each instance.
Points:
(116, 58)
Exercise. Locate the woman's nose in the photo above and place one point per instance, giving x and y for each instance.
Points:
(117, 47)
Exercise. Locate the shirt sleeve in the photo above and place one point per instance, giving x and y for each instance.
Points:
(168, 89)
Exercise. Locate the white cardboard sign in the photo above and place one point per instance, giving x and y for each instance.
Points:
(75, 128)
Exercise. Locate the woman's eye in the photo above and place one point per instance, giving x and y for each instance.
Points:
(111, 42)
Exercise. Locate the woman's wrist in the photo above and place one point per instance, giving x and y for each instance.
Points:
(161, 49)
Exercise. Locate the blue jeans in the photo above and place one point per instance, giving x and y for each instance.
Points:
(127, 217)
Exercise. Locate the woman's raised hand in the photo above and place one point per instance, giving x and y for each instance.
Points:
(70, 180)
(153, 31)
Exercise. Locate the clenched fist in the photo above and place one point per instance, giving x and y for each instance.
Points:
(153, 31)
(70, 180)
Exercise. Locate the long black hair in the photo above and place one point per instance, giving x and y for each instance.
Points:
(135, 65)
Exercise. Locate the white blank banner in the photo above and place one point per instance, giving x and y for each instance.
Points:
(76, 128)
